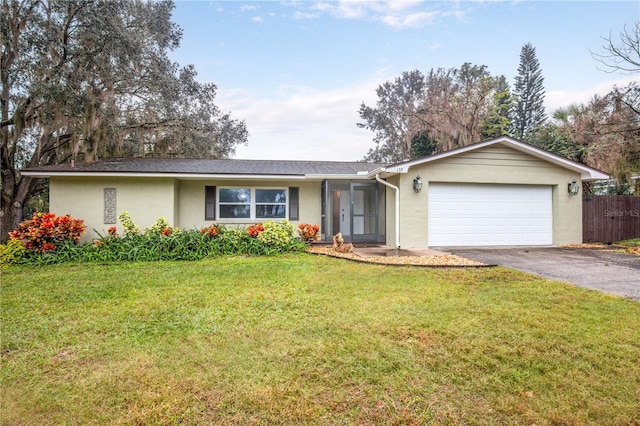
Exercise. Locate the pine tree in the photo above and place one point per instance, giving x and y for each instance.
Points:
(529, 112)
(498, 121)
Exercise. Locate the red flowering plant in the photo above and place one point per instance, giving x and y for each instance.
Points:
(113, 232)
(211, 231)
(308, 232)
(43, 231)
(255, 230)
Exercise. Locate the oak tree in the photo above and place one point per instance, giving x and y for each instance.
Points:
(417, 115)
(85, 79)
(393, 120)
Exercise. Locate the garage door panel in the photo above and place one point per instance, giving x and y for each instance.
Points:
(484, 214)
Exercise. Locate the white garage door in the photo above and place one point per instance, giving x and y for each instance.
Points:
(489, 215)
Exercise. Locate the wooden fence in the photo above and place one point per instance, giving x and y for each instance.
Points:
(610, 218)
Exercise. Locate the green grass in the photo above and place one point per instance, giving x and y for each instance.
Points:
(630, 246)
(634, 242)
(303, 339)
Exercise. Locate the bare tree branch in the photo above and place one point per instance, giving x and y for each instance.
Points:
(623, 56)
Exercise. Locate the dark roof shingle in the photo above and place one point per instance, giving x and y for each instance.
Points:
(201, 166)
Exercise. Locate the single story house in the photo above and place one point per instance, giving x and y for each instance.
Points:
(500, 192)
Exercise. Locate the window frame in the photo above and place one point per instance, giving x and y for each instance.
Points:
(284, 203)
(220, 203)
(252, 204)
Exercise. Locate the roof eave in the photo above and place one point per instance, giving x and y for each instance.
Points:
(217, 176)
(377, 171)
(323, 176)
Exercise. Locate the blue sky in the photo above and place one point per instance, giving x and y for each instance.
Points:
(297, 71)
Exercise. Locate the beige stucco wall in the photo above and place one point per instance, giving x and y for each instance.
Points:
(181, 202)
(494, 164)
(145, 199)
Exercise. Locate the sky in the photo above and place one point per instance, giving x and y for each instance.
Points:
(297, 71)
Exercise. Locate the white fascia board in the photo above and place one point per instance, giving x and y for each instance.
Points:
(372, 174)
(337, 177)
(385, 174)
(588, 174)
(241, 177)
(187, 176)
(165, 175)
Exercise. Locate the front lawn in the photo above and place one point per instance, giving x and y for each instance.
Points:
(303, 339)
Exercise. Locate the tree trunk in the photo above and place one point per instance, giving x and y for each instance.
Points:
(11, 218)
(14, 197)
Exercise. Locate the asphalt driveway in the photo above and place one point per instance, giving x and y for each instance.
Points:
(604, 270)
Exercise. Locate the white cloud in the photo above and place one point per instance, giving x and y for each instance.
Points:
(401, 5)
(351, 10)
(563, 98)
(322, 6)
(304, 15)
(217, 7)
(456, 13)
(342, 9)
(302, 123)
(396, 14)
(409, 20)
(257, 19)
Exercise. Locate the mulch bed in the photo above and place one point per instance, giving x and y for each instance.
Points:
(587, 246)
(444, 260)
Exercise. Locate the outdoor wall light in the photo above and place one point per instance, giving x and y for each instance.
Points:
(574, 188)
(417, 184)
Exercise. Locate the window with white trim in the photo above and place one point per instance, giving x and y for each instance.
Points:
(271, 203)
(234, 203)
(252, 203)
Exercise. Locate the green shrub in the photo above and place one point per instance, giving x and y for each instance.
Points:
(234, 241)
(162, 242)
(11, 253)
(129, 226)
(158, 227)
(161, 227)
(276, 233)
(278, 236)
